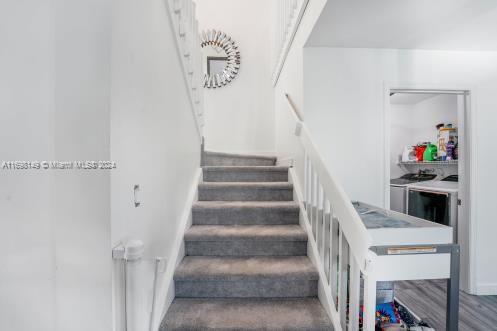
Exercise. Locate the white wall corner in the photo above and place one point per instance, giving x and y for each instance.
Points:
(166, 293)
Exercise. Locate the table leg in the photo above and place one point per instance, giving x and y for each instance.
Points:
(452, 322)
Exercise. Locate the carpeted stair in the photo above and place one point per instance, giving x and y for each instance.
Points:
(246, 264)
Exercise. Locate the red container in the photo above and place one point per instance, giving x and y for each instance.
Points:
(420, 150)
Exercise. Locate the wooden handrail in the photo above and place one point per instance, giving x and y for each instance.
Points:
(297, 112)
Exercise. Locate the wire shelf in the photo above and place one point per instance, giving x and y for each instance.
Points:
(451, 162)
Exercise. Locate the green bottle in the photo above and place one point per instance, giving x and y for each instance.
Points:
(430, 153)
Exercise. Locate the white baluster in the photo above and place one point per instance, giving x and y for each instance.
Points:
(309, 191)
(322, 230)
(313, 197)
(334, 268)
(319, 219)
(342, 279)
(327, 240)
(314, 203)
(369, 313)
(305, 177)
(355, 292)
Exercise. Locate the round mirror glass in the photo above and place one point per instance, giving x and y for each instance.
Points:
(221, 58)
(216, 59)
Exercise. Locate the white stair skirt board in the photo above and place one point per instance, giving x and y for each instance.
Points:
(166, 293)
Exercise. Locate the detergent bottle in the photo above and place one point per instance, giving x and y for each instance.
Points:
(430, 153)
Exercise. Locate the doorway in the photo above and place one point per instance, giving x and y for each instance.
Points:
(428, 139)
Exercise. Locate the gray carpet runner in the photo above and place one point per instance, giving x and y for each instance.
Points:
(246, 264)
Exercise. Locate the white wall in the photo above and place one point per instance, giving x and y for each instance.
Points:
(291, 81)
(27, 272)
(401, 134)
(81, 199)
(415, 123)
(239, 117)
(54, 62)
(56, 105)
(344, 108)
(409, 24)
(154, 138)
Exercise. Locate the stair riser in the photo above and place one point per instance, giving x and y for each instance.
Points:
(246, 248)
(244, 194)
(215, 160)
(245, 176)
(246, 289)
(244, 216)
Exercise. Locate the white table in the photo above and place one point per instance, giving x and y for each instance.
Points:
(409, 248)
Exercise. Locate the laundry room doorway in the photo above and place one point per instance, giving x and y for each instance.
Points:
(428, 148)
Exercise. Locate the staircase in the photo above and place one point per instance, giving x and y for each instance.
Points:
(246, 264)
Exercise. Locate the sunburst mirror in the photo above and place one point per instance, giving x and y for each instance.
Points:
(221, 58)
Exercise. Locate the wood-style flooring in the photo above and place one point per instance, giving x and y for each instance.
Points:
(427, 299)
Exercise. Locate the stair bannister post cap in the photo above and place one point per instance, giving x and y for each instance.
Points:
(133, 249)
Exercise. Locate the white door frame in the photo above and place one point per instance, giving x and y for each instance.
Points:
(468, 237)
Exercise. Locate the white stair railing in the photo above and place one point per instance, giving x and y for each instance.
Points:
(185, 27)
(338, 235)
(288, 14)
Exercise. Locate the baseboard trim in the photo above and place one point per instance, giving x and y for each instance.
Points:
(165, 294)
(486, 289)
(312, 251)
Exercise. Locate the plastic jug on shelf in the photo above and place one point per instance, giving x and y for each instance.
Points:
(450, 150)
(408, 154)
(420, 149)
(430, 153)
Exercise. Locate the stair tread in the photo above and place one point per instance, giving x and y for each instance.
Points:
(246, 314)
(245, 212)
(214, 268)
(245, 156)
(290, 205)
(251, 174)
(245, 168)
(246, 232)
(245, 191)
(220, 159)
(261, 185)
